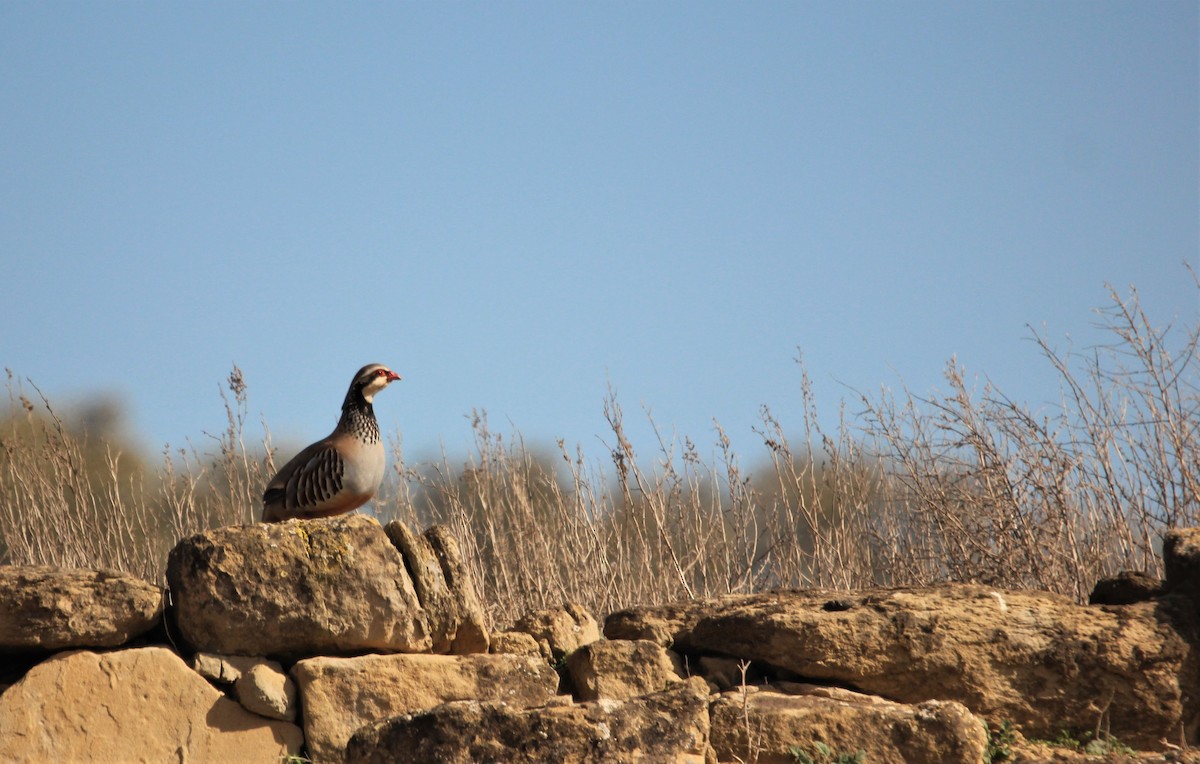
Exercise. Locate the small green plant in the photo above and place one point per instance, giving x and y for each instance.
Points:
(1066, 739)
(1103, 746)
(1000, 742)
(823, 754)
(559, 662)
(1088, 742)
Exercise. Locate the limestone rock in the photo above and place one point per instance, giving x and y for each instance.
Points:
(1037, 660)
(667, 625)
(429, 583)
(260, 685)
(44, 608)
(472, 635)
(137, 705)
(265, 690)
(1126, 588)
(340, 695)
(444, 588)
(620, 669)
(1181, 562)
(223, 669)
(728, 673)
(670, 726)
(772, 727)
(299, 588)
(564, 629)
(516, 643)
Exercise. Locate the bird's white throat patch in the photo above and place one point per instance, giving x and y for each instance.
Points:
(372, 387)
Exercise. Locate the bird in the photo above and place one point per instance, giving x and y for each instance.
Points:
(341, 472)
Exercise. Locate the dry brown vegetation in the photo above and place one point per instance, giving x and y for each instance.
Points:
(963, 486)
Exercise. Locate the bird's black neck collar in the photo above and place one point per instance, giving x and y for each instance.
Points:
(358, 416)
(356, 403)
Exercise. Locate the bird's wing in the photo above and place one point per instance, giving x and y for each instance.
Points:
(309, 481)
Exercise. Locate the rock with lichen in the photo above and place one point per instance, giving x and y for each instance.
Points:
(296, 589)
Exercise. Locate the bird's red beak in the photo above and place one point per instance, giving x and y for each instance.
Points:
(393, 376)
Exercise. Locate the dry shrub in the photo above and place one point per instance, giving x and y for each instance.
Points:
(962, 486)
(967, 486)
(980, 488)
(68, 501)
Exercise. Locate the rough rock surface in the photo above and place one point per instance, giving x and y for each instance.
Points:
(563, 629)
(727, 673)
(429, 583)
(1126, 588)
(223, 669)
(771, 727)
(1181, 562)
(43, 608)
(516, 643)
(137, 705)
(340, 695)
(670, 726)
(1035, 659)
(472, 634)
(620, 669)
(260, 685)
(265, 690)
(299, 588)
(456, 618)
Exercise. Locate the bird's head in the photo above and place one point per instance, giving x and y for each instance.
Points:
(372, 378)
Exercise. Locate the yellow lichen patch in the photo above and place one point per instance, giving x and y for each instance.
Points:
(327, 548)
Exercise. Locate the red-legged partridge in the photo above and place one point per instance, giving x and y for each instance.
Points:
(341, 472)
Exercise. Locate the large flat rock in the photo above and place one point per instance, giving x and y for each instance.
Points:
(341, 695)
(1035, 659)
(669, 726)
(137, 705)
(772, 727)
(43, 608)
(294, 589)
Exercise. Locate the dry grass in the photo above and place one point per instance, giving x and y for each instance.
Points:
(68, 501)
(908, 490)
(969, 486)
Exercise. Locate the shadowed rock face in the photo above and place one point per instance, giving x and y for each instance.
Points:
(44, 608)
(1037, 660)
(1181, 561)
(669, 726)
(340, 695)
(1126, 588)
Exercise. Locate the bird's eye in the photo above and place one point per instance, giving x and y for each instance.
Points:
(380, 372)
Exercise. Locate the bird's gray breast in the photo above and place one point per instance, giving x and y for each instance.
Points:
(363, 475)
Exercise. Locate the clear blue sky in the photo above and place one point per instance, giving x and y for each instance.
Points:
(514, 204)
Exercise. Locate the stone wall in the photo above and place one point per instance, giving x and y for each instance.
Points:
(340, 640)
